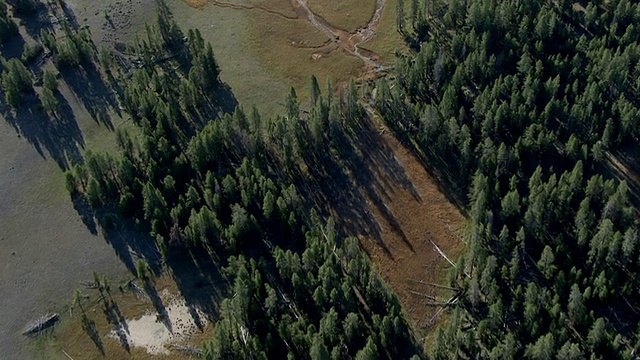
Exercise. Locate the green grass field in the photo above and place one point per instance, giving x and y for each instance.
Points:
(348, 15)
(387, 39)
(263, 49)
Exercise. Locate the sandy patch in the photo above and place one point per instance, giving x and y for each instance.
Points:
(154, 334)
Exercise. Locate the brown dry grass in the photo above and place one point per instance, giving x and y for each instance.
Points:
(408, 225)
(407, 252)
(293, 50)
(348, 15)
(264, 48)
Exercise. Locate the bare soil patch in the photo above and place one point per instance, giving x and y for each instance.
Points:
(153, 335)
(122, 324)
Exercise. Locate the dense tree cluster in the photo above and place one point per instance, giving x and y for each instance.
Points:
(520, 102)
(225, 187)
(75, 49)
(325, 303)
(16, 82)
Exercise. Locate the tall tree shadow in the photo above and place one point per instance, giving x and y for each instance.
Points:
(37, 20)
(162, 314)
(67, 14)
(115, 317)
(59, 135)
(131, 243)
(89, 326)
(225, 101)
(88, 86)
(200, 282)
(86, 214)
(14, 47)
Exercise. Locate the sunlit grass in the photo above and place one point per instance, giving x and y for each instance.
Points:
(348, 15)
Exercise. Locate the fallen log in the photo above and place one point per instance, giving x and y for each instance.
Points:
(42, 323)
(434, 285)
(423, 295)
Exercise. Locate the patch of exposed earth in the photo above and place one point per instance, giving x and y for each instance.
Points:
(157, 335)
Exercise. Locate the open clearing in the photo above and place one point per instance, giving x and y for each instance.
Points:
(45, 249)
(413, 216)
(347, 15)
(381, 193)
(120, 324)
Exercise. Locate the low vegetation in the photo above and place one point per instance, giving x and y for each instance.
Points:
(346, 15)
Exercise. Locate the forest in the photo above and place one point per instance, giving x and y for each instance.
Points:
(521, 106)
(520, 109)
(224, 188)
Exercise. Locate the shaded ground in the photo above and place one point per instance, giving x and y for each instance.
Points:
(624, 164)
(377, 190)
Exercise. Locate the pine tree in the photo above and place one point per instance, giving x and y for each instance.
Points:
(49, 101)
(400, 16)
(16, 81)
(315, 90)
